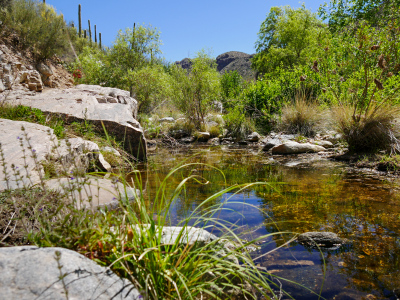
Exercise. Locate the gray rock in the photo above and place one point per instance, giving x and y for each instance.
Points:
(296, 148)
(203, 136)
(2, 87)
(214, 141)
(111, 150)
(93, 192)
(167, 120)
(323, 240)
(270, 143)
(253, 137)
(29, 272)
(44, 69)
(41, 141)
(325, 144)
(80, 103)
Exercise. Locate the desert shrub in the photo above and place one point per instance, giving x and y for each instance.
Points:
(232, 85)
(193, 91)
(90, 67)
(38, 27)
(237, 124)
(151, 86)
(374, 130)
(303, 116)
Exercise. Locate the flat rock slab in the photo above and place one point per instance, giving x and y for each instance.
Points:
(292, 147)
(29, 272)
(93, 192)
(41, 139)
(100, 105)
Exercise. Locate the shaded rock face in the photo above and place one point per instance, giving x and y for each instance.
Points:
(228, 61)
(17, 72)
(29, 272)
(185, 63)
(110, 107)
(234, 60)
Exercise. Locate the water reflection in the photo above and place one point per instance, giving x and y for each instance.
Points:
(305, 193)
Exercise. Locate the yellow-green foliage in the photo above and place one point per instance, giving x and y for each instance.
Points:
(38, 27)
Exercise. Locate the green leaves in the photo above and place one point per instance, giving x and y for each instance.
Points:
(288, 36)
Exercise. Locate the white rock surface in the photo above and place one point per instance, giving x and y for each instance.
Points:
(29, 272)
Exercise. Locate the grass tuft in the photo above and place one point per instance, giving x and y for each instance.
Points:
(303, 116)
(375, 130)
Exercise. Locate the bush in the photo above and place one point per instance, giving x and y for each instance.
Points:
(38, 27)
(237, 124)
(303, 116)
(375, 130)
(194, 91)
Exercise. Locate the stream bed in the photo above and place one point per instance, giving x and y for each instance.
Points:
(304, 193)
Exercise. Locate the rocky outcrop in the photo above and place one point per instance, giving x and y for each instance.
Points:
(236, 61)
(111, 107)
(29, 272)
(228, 61)
(292, 147)
(17, 72)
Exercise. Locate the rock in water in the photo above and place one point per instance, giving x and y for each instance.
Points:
(322, 240)
(29, 272)
(296, 148)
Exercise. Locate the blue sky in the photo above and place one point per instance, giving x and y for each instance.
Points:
(186, 26)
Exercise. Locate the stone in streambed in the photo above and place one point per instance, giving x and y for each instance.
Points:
(292, 147)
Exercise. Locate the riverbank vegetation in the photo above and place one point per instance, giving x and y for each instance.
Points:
(311, 76)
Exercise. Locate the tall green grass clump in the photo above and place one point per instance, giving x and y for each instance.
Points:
(131, 239)
(38, 27)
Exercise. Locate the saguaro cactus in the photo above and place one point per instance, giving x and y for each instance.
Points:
(84, 34)
(95, 34)
(80, 20)
(90, 32)
(100, 40)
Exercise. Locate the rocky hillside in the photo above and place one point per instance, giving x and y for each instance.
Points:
(229, 61)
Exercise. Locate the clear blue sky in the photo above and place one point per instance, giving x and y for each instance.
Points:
(186, 26)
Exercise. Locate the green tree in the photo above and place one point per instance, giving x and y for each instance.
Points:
(287, 37)
(151, 86)
(194, 90)
(342, 13)
(132, 50)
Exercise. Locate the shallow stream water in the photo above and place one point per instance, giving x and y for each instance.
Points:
(304, 193)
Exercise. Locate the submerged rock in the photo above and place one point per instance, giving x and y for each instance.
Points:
(320, 240)
(29, 272)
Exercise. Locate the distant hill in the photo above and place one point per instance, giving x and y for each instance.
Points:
(229, 61)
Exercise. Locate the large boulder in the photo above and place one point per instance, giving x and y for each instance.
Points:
(90, 192)
(111, 107)
(292, 147)
(27, 165)
(25, 162)
(29, 272)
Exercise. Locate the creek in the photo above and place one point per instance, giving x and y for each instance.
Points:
(304, 193)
